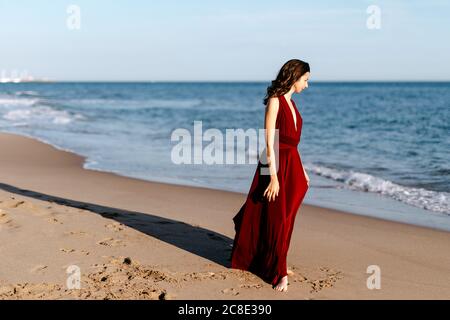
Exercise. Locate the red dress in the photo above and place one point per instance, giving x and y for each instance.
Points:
(264, 228)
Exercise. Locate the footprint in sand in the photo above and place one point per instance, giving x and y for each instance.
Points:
(39, 268)
(32, 208)
(115, 226)
(11, 203)
(328, 281)
(110, 242)
(4, 217)
(295, 274)
(251, 286)
(6, 221)
(54, 220)
(71, 250)
(200, 276)
(76, 233)
(230, 291)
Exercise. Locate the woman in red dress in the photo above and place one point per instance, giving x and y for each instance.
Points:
(264, 223)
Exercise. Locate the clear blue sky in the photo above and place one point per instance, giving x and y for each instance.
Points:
(226, 40)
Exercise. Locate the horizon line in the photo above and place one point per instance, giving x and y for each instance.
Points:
(209, 81)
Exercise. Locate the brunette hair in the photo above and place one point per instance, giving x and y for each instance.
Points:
(289, 73)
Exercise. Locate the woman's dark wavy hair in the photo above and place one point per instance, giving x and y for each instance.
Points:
(290, 72)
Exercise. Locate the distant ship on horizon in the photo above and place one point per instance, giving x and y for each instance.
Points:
(14, 77)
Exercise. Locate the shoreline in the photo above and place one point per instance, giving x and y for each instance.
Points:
(160, 224)
(390, 214)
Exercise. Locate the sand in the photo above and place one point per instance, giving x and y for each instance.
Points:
(71, 233)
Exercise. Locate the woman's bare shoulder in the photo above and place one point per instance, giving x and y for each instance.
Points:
(273, 105)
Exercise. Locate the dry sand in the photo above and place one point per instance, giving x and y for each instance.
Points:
(134, 239)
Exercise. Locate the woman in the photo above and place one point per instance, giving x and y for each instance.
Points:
(264, 223)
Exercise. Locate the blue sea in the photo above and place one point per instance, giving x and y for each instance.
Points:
(380, 149)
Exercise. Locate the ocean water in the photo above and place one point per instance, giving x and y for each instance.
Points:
(380, 149)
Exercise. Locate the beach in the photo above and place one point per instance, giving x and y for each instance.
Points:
(135, 239)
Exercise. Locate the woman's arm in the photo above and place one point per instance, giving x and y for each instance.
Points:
(269, 124)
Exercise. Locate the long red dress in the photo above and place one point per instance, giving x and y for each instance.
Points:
(264, 228)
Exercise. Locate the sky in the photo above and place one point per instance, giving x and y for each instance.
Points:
(233, 40)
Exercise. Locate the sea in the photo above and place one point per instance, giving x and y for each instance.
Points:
(379, 149)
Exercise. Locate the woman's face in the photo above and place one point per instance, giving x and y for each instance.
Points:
(301, 83)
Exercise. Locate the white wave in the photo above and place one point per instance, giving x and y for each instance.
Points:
(20, 124)
(138, 104)
(26, 93)
(7, 102)
(42, 113)
(419, 197)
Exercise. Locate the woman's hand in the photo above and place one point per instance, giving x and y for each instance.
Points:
(307, 178)
(272, 189)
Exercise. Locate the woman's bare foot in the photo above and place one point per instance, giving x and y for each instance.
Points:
(282, 284)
